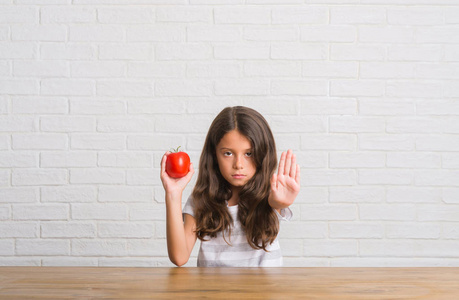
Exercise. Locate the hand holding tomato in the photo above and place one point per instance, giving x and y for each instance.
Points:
(176, 171)
(177, 164)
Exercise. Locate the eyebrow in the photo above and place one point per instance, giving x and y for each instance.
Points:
(226, 148)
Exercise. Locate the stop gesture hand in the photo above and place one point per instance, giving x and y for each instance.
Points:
(285, 185)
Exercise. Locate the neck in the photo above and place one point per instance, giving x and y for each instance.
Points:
(235, 196)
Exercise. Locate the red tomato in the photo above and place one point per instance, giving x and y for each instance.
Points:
(177, 164)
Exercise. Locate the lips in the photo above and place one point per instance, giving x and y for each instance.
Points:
(238, 176)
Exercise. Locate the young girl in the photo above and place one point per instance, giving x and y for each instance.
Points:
(238, 199)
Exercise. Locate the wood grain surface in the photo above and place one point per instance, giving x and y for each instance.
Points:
(228, 283)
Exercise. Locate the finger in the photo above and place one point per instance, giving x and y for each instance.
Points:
(281, 164)
(190, 172)
(274, 182)
(293, 167)
(297, 176)
(163, 162)
(288, 162)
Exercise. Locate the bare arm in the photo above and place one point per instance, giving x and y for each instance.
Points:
(181, 236)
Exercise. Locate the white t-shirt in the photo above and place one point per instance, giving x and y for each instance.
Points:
(217, 253)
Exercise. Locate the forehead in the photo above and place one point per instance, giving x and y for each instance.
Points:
(234, 140)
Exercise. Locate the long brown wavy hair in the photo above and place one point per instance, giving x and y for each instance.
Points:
(258, 219)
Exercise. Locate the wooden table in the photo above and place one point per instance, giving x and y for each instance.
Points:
(228, 283)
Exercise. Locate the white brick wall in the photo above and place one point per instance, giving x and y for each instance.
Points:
(92, 92)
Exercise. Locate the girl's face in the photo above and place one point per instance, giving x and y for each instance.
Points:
(234, 156)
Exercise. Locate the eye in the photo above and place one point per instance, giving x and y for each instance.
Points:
(249, 154)
(227, 153)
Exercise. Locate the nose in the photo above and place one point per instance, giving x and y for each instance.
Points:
(238, 162)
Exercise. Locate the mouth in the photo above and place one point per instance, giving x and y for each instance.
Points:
(238, 176)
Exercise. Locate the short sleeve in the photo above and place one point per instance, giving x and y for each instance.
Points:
(188, 208)
(286, 214)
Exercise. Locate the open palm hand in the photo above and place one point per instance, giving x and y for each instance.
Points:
(285, 185)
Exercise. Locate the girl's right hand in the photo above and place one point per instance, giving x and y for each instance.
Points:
(173, 185)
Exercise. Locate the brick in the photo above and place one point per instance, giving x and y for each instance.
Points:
(100, 107)
(69, 194)
(437, 70)
(386, 176)
(387, 70)
(126, 15)
(349, 124)
(437, 178)
(96, 33)
(40, 141)
(67, 14)
(42, 247)
(415, 16)
(125, 230)
(347, 87)
(97, 176)
(40, 212)
(19, 86)
(414, 195)
(392, 34)
(19, 14)
(439, 213)
(277, 106)
(340, 212)
(45, 33)
(66, 87)
(450, 161)
(328, 177)
(357, 15)
(252, 51)
(131, 88)
(18, 160)
(67, 124)
(331, 248)
(357, 160)
(26, 177)
(19, 195)
(125, 160)
(40, 69)
(18, 50)
(67, 51)
(328, 142)
(388, 106)
(359, 52)
(155, 33)
(414, 160)
(409, 248)
(67, 159)
(356, 230)
(386, 142)
(153, 142)
(242, 87)
(146, 247)
(130, 124)
(309, 123)
(184, 14)
(356, 194)
(263, 33)
(298, 51)
(387, 212)
(97, 69)
(99, 211)
(438, 34)
(86, 247)
(328, 33)
(67, 230)
(242, 15)
(437, 143)
(421, 53)
(413, 231)
(157, 69)
(272, 69)
(12, 123)
(147, 212)
(98, 141)
(299, 87)
(216, 33)
(328, 106)
(330, 69)
(39, 105)
(415, 125)
(143, 177)
(171, 106)
(19, 230)
(121, 52)
(300, 15)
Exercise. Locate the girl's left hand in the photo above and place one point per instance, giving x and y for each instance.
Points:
(285, 185)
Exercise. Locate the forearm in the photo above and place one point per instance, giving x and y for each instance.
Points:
(175, 231)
